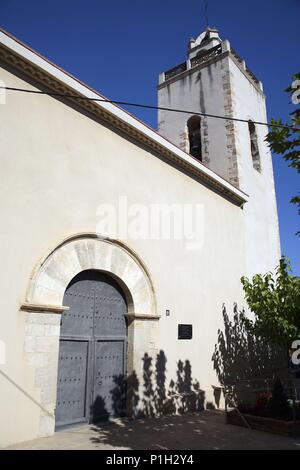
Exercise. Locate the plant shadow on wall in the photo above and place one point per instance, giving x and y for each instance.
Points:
(149, 398)
(243, 361)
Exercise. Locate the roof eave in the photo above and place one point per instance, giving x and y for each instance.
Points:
(43, 71)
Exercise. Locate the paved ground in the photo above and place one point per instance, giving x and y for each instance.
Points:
(206, 430)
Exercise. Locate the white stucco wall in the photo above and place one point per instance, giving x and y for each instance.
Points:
(57, 166)
(261, 220)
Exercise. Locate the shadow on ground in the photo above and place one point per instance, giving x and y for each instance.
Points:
(193, 431)
(204, 431)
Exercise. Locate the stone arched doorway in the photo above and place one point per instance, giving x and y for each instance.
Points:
(91, 383)
(45, 307)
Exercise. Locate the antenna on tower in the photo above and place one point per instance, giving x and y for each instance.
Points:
(206, 12)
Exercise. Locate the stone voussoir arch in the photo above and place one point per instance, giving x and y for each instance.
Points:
(44, 303)
(87, 251)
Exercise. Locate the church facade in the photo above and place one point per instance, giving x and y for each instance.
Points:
(121, 245)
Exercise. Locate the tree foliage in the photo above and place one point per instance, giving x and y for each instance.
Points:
(275, 302)
(286, 141)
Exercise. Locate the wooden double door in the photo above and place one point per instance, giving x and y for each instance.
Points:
(91, 383)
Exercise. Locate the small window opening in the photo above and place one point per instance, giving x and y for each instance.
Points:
(194, 130)
(254, 145)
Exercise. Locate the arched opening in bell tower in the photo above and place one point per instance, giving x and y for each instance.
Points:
(194, 133)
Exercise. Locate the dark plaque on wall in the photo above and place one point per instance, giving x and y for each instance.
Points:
(185, 331)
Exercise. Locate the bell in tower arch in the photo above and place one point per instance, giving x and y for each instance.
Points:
(194, 130)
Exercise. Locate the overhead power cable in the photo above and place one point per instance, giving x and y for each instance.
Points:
(147, 106)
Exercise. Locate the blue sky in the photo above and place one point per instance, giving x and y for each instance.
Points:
(119, 48)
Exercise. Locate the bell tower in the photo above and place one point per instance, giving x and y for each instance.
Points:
(215, 81)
